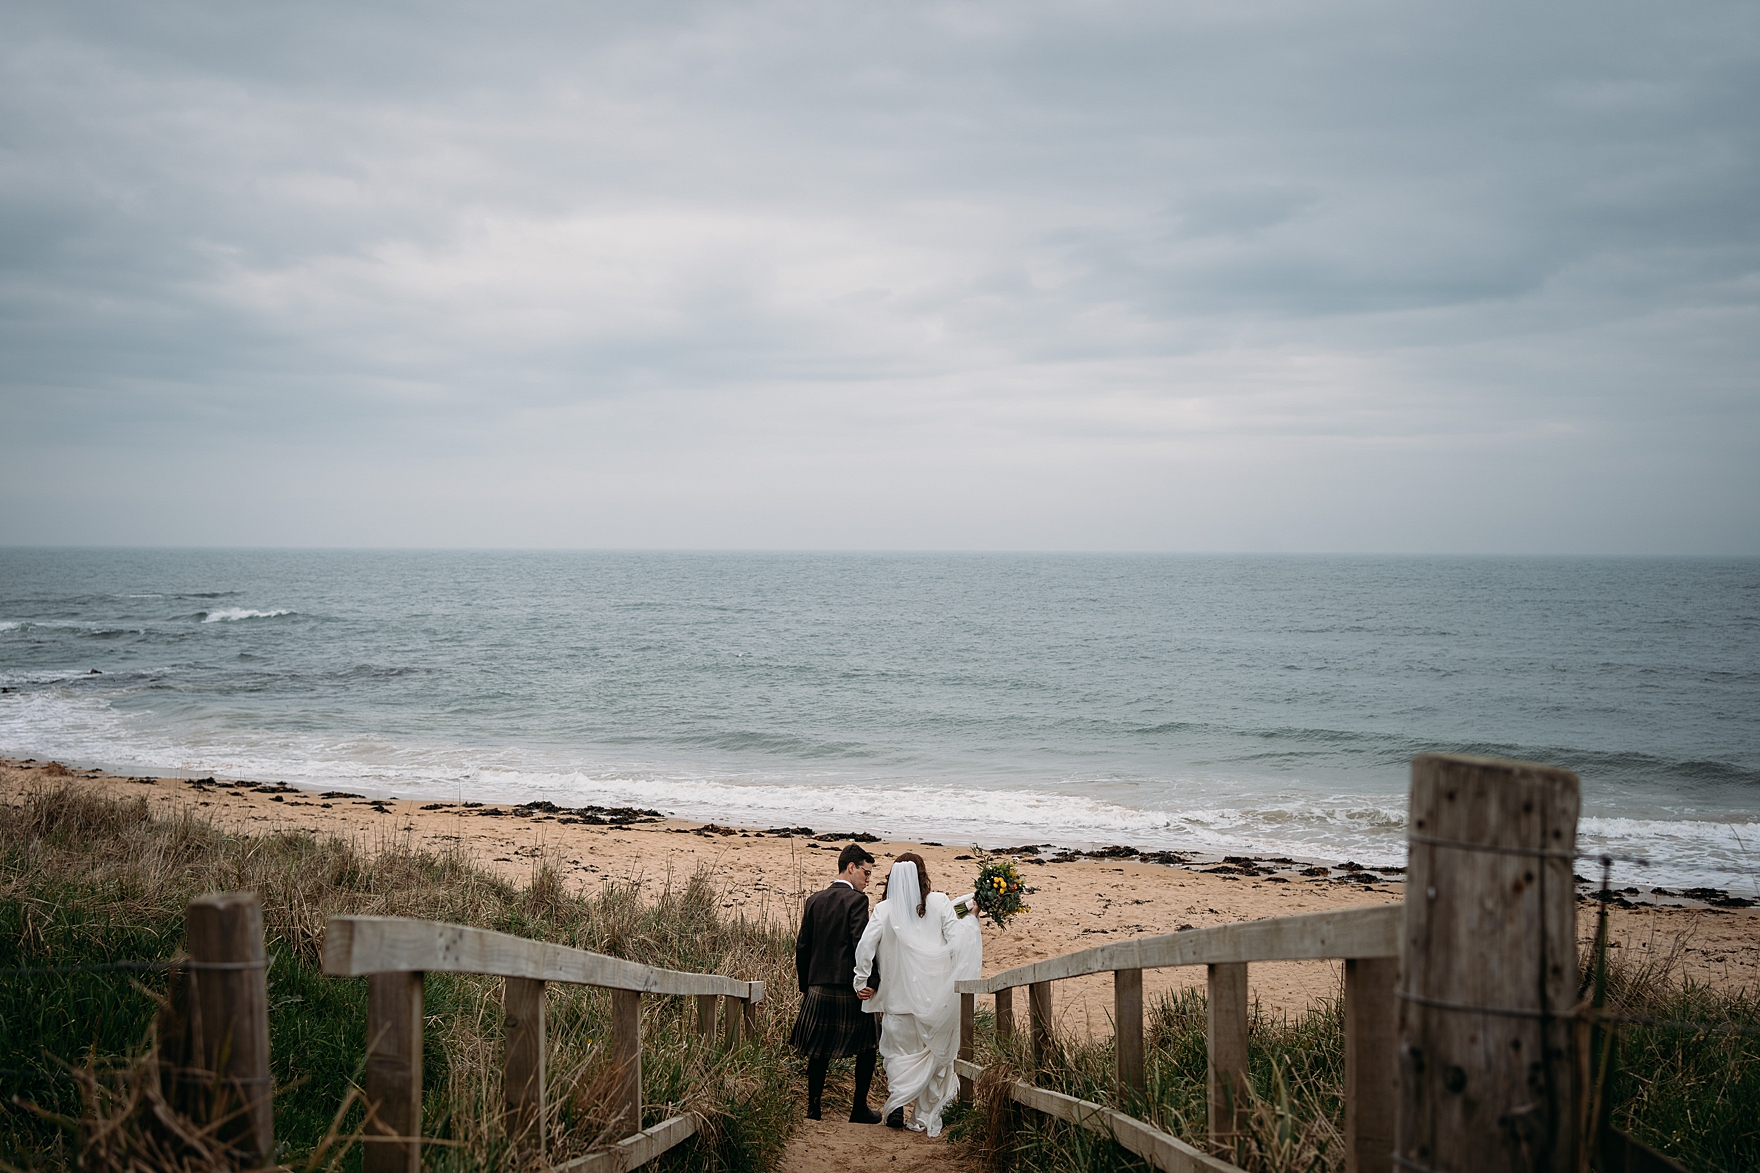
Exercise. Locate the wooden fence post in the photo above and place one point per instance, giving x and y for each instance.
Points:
(1039, 1011)
(1004, 1015)
(1371, 1075)
(729, 1022)
(706, 1017)
(748, 1014)
(1228, 1054)
(392, 1141)
(1127, 1027)
(522, 1078)
(1487, 1054)
(626, 1042)
(226, 1004)
(968, 1025)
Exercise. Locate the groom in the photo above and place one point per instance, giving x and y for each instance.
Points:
(831, 1024)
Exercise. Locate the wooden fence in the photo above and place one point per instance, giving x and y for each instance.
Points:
(1366, 938)
(1462, 1046)
(1463, 1049)
(393, 953)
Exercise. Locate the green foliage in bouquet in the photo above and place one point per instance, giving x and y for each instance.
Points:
(999, 892)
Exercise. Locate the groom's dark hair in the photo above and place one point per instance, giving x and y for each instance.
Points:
(854, 853)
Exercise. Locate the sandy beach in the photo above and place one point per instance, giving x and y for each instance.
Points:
(767, 872)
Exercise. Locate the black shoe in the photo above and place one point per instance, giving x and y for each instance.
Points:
(862, 1114)
(896, 1120)
(812, 1111)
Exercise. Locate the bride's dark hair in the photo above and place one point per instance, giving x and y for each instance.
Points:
(922, 880)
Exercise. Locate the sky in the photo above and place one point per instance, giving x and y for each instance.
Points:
(1470, 277)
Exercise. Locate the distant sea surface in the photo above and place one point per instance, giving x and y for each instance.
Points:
(1263, 705)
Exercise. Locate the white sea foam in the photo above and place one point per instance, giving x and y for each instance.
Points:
(88, 729)
(48, 722)
(1360, 827)
(1212, 817)
(233, 614)
(9, 624)
(1676, 852)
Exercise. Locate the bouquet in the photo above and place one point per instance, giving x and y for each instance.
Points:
(998, 892)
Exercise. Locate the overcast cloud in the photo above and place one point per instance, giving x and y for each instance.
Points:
(1238, 276)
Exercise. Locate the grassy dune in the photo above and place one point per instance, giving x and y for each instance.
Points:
(1693, 1095)
(87, 880)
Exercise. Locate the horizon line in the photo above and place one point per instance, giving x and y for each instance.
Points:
(893, 551)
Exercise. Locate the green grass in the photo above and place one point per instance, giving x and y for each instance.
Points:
(84, 879)
(1296, 1113)
(1694, 1096)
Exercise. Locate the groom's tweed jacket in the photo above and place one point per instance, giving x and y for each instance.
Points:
(825, 949)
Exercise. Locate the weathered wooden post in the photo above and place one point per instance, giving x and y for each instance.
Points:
(729, 1023)
(1039, 1012)
(1005, 1014)
(1487, 1064)
(392, 1136)
(748, 1013)
(1371, 1073)
(706, 1017)
(522, 1003)
(968, 1026)
(1127, 1027)
(1227, 1031)
(626, 1054)
(224, 1048)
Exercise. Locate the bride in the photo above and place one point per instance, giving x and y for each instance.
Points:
(923, 947)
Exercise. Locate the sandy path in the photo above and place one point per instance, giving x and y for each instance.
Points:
(821, 1145)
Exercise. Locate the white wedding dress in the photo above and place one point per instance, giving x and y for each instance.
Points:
(920, 959)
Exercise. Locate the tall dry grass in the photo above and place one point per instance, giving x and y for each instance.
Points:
(1692, 1094)
(1294, 1110)
(85, 878)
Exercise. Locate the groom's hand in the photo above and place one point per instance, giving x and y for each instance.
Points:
(865, 993)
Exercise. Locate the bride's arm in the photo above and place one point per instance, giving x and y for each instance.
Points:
(866, 946)
(949, 918)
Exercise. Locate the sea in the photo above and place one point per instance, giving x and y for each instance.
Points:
(1262, 705)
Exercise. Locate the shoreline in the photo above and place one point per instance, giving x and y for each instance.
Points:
(1277, 868)
(1078, 899)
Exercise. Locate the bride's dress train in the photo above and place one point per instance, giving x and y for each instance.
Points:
(920, 959)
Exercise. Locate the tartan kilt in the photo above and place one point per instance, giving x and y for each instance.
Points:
(831, 1022)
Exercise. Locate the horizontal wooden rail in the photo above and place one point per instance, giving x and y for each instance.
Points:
(1161, 1149)
(1345, 933)
(394, 952)
(1366, 939)
(636, 1150)
(357, 945)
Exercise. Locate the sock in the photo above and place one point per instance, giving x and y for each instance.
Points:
(864, 1077)
(817, 1066)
